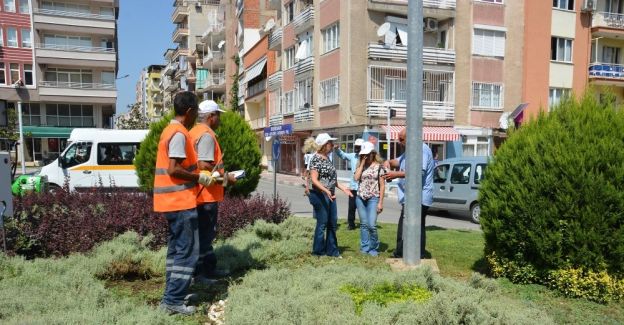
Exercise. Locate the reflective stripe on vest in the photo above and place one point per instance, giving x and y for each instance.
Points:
(212, 193)
(170, 193)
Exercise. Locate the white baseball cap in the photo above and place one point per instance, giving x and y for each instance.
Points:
(209, 106)
(367, 148)
(358, 142)
(322, 139)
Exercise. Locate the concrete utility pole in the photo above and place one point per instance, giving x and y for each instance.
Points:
(413, 175)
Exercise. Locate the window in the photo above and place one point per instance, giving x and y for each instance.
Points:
(107, 12)
(492, 1)
(395, 89)
(289, 102)
(330, 91)
(26, 39)
(561, 49)
(78, 153)
(304, 93)
(440, 174)
(15, 72)
(116, 153)
(2, 74)
(274, 103)
(1, 38)
(460, 174)
(479, 173)
(66, 7)
(331, 38)
(289, 58)
(555, 95)
(23, 7)
(290, 12)
(486, 95)
(488, 42)
(65, 41)
(9, 5)
(108, 78)
(28, 75)
(69, 77)
(12, 37)
(31, 114)
(610, 55)
(563, 4)
(475, 146)
(106, 43)
(69, 115)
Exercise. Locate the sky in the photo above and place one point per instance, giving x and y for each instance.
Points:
(144, 32)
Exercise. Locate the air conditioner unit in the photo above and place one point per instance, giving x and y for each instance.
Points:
(589, 6)
(430, 24)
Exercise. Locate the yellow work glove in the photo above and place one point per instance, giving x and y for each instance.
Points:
(217, 176)
(206, 179)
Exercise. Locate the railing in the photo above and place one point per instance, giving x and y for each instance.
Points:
(304, 65)
(258, 123)
(74, 48)
(75, 85)
(439, 4)
(216, 79)
(212, 29)
(275, 80)
(277, 119)
(275, 38)
(432, 110)
(75, 14)
(180, 29)
(214, 55)
(256, 88)
(304, 115)
(606, 70)
(304, 17)
(431, 55)
(169, 85)
(608, 19)
(170, 69)
(179, 10)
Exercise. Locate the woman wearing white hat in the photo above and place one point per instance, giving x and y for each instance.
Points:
(323, 198)
(369, 200)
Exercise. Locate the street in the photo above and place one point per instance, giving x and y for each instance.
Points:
(300, 206)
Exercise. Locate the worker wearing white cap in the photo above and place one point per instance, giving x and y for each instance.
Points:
(352, 158)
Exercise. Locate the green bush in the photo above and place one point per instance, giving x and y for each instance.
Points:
(145, 160)
(553, 197)
(385, 293)
(241, 151)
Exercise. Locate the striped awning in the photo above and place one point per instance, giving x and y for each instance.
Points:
(430, 133)
(254, 70)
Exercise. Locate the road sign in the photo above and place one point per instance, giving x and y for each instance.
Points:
(278, 130)
(276, 148)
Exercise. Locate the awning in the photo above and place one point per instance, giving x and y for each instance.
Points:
(430, 133)
(518, 114)
(47, 132)
(255, 70)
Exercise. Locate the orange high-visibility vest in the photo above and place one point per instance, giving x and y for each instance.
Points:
(170, 193)
(214, 192)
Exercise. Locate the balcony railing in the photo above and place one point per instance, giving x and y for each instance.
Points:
(431, 55)
(304, 19)
(275, 80)
(74, 14)
(75, 85)
(275, 39)
(212, 29)
(74, 48)
(214, 55)
(608, 19)
(256, 88)
(276, 119)
(258, 123)
(606, 71)
(304, 115)
(170, 69)
(432, 110)
(304, 65)
(179, 31)
(438, 4)
(179, 13)
(213, 81)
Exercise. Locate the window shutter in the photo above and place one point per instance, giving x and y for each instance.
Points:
(499, 44)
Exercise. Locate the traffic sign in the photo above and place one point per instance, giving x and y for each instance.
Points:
(277, 130)
(276, 148)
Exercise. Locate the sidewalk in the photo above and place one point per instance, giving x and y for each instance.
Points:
(292, 180)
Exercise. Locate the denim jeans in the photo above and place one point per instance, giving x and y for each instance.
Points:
(207, 228)
(367, 210)
(325, 242)
(423, 238)
(182, 254)
(352, 207)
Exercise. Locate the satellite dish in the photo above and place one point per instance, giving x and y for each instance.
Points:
(383, 29)
(221, 44)
(269, 25)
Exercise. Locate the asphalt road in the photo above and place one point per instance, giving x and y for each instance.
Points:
(300, 206)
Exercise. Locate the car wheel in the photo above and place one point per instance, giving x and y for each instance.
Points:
(54, 189)
(475, 212)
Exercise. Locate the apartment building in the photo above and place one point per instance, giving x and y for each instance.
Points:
(149, 93)
(67, 63)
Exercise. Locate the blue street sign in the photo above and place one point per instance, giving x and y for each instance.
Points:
(278, 130)
(276, 149)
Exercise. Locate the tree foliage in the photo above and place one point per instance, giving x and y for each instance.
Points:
(234, 89)
(145, 161)
(133, 120)
(553, 198)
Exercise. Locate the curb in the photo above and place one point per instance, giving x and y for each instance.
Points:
(390, 191)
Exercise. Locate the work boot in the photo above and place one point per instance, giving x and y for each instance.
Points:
(203, 280)
(179, 309)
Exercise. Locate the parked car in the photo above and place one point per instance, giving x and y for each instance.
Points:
(456, 185)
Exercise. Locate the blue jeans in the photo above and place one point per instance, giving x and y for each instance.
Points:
(182, 254)
(325, 242)
(207, 228)
(367, 209)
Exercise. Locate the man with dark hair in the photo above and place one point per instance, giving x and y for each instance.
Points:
(175, 190)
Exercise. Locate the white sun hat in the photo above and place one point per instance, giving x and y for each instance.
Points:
(358, 142)
(367, 148)
(322, 139)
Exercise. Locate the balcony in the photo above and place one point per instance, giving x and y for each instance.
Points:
(214, 82)
(57, 20)
(431, 55)
(606, 73)
(180, 33)
(304, 65)
(258, 123)
(387, 87)
(180, 13)
(440, 9)
(304, 20)
(214, 58)
(277, 119)
(213, 34)
(81, 92)
(179, 52)
(608, 24)
(169, 85)
(170, 69)
(75, 55)
(275, 80)
(256, 88)
(304, 115)
(275, 39)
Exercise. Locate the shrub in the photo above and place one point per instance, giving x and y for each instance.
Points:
(145, 160)
(594, 286)
(553, 198)
(241, 151)
(236, 213)
(385, 293)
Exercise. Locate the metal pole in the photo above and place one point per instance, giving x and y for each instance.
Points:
(274, 172)
(21, 136)
(413, 176)
(388, 134)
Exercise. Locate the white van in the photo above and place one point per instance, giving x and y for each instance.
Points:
(96, 155)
